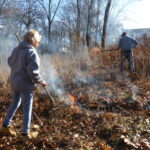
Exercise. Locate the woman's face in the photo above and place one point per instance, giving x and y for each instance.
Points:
(36, 44)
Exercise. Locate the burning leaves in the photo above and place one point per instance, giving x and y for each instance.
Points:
(70, 100)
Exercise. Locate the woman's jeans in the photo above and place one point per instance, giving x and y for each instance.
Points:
(27, 99)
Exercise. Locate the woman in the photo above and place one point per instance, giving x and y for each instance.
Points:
(24, 63)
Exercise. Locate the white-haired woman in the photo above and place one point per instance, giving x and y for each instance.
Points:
(24, 63)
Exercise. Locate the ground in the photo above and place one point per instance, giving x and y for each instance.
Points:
(112, 117)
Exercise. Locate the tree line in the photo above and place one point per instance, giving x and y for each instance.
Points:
(65, 23)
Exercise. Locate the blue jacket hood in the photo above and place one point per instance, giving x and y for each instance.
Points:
(25, 44)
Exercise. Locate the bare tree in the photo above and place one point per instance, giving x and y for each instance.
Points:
(71, 23)
(78, 28)
(98, 5)
(28, 12)
(50, 12)
(105, 23)
(89, 21)
(2, 3)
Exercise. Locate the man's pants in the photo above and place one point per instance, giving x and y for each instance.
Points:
(27, 100)
(129, 56)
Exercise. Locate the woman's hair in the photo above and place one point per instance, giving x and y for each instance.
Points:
(32, 37)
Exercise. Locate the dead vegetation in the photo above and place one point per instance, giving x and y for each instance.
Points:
(108, 110)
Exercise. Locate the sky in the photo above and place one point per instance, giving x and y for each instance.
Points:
(137, 15)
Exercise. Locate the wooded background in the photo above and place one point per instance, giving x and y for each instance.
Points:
(65, 23)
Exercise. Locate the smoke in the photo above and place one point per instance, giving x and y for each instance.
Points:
(129, 87)
(50, 75)
(83, 77)
(6, 47)
(76, 74)
(134, 90)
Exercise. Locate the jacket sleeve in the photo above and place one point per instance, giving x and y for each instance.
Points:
(9, 61)
(135, 43)
(33, 67)
(10, 58)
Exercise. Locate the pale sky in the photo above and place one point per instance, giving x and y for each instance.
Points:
(138, 15)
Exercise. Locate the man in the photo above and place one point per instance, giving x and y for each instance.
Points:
(126, 44)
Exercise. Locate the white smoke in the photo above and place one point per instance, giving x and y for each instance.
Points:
(6, 47)
(50, 75)
(134, 90)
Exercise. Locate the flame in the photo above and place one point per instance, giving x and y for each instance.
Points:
(70, 100)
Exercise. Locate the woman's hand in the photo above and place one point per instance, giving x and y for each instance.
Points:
(43, 83)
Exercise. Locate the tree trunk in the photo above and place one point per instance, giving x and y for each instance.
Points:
(97, 20)
(78, 17)
(49, 21)
(105, 23)
(78, 25)
(88, 38)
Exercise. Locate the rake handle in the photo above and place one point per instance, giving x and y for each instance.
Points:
(51, 98)
(113, 49)
(17, 37)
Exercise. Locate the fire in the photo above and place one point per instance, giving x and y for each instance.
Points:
(70, 100)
